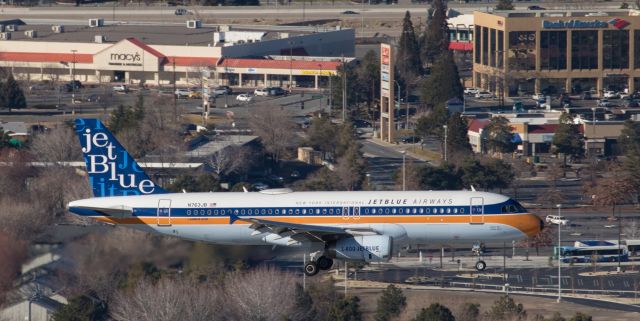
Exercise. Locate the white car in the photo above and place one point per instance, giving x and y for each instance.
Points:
(261, 92)
(538, 96)
(120, 88)
(484, 94)
(557, 220)
(611, 94)
(182, 93)
(604, 103)
(244, 97)
(471, 91)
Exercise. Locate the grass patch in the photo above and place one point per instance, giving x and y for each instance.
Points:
(426, 154)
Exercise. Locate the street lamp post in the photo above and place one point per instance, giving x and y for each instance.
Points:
(445, 142)
(398, 95)
(404, 171)
(73, 81)
(593, 119)
(290, 66)
(559, 206)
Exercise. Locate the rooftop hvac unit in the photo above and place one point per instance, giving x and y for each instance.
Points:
(57, 29)
(12, 28)
(194, 24)
(96, 22)
(31, 33)
(99, 39)
(5, 35)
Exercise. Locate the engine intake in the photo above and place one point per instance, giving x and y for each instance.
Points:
(368, 248)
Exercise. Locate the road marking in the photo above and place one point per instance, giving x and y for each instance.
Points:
(626, 284)
(610, 283)
(595, 282)
(580, 283)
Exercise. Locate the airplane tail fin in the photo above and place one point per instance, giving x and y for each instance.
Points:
(112, 171)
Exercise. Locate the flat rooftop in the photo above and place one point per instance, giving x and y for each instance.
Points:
(173, 34)
(593, 13)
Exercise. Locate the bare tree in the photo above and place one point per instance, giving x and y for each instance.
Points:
(613, 190)
(22, 217)
(12, 255)
(632, 230)
(59, 144)
(168, 300)
(230, 159)
(245, 297)
(275, 128)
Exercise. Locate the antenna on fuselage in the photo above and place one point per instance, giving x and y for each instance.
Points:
(184, 191)
(473, 189)
(245, 189)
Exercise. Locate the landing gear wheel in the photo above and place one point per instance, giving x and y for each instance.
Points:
(324, 263)
(311, 269)
(480, 265)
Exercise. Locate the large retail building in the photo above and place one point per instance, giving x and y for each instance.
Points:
(252, 56)
(550, 51)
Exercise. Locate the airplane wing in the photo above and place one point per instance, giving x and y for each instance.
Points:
(301, 232)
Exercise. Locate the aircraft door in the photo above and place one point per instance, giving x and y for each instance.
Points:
(164, 212)
(356, 213)
(476, 211)
(345, 213)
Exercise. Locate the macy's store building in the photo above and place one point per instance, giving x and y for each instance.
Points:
(132, 61)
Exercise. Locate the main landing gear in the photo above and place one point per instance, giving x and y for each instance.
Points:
(481, 265)
(314, 266)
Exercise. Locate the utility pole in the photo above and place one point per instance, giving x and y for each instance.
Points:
(445, 142)
(559, 206)
(290, 66)
(344, 90)
(404, 171)
(175, 97)
(73, 82)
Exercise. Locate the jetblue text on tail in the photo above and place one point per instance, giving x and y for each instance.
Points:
(112, 171)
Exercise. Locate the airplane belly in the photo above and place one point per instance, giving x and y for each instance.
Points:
(461, 233)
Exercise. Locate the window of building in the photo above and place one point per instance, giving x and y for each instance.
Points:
(584, 49)
(476, 41)
(485, 46)
(500, 49)
(493, 52)
(522, 50)
(615, 49)
(553, 50)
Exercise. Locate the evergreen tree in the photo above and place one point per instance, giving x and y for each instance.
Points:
(304, 310)
(345, 310)
(351, 168)
(436, 40)
(567, 138)
(581, 317)
(81, 309)
(442, 178)
(458, 136)
(435, 312)
(12, 95)
(505, 5)
(407, 62)
(352, 87)
(443, 83)
(629, 144)
(470, 312)
(493, 173)
(5, 139)
(499, 135)
(431, 124)
(322, 136)
(390, 303)
(505, 309)
(368, 78)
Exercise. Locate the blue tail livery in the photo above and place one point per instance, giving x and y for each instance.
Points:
(112, 171)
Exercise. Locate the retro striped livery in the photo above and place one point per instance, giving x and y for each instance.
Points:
(358, 226)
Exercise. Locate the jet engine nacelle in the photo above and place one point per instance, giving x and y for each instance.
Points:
(368, 248)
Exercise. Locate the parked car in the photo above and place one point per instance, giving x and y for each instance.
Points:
(195, 94)
(410, 139)
(244, 97)
(75, 84)
(182, 93)
(276, 91)
(121, 88)
(484, 94)
(630, 103)
(94, 98)
(360, 123)
(604, 103)
(471, 91)
(536, 8)
(39, 86)
(586, 95)
(261, 92)
(349, 12)
(180, 12)
(611, 95)
(555, 219)
(221, 90)
(260, 186)
(538, 96)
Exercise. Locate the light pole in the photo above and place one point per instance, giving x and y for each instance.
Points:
(404, 176)
(445, 142)
(559, 206)
(398, 95)
(593, 129)
(290, 66)
(73, 81)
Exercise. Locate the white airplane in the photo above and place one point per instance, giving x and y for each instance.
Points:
(356, 226)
